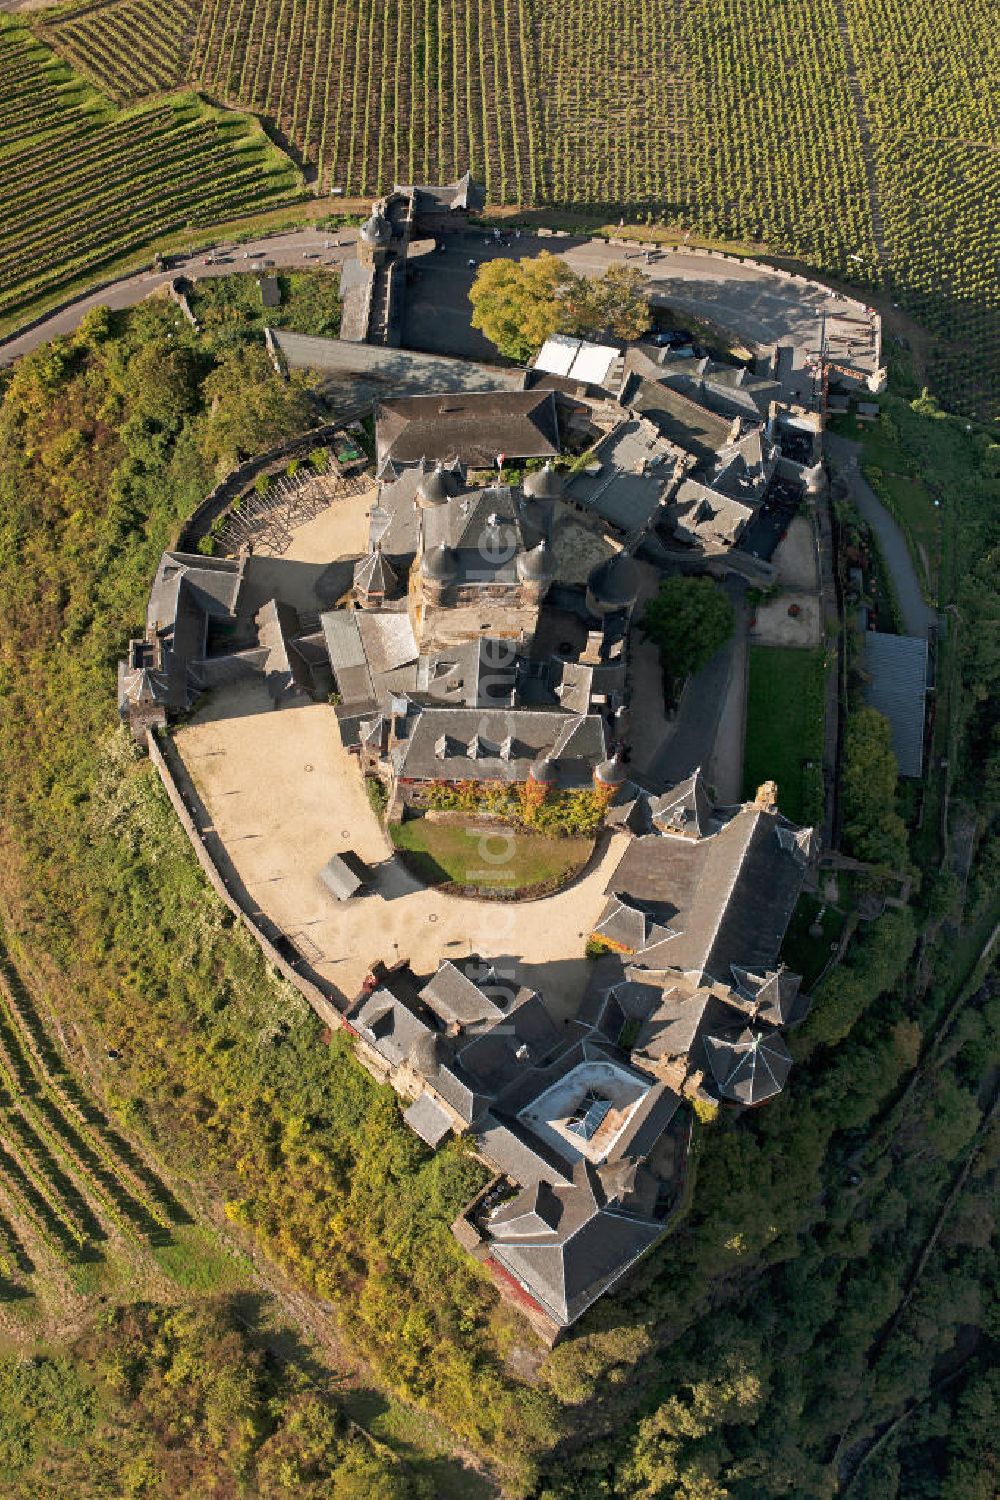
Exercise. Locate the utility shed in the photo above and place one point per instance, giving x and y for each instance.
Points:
(270, 291)
(896, 673)
(345, 875)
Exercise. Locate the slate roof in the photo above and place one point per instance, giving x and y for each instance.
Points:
(427, 1119)
(686, 808)
(480, 673)
(453, 996)
(394, 1030)
(472, 427)
(699, 513)
(387, 640)
(678, 418)
(680, 1018)
(472, 744)
(748, 1066)
(726, 388)
(897, 667)
(629, 810)
(497, 1057)
(727, 897)
(347, 655)
(566, 1268)
(772, 995)
(285, 667)
(153, 674)
(577, 683)
(465, 193)
(211, 583)
(536, 1209)
(628, 924)
(518, 1152)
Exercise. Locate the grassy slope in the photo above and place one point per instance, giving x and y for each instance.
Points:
(310, 303)
(221, 1064)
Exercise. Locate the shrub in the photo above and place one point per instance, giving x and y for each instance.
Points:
(377, 795)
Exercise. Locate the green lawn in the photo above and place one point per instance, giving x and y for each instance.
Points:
(490, 858)
(784, 736)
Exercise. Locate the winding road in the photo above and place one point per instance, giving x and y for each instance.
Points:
(760, 305)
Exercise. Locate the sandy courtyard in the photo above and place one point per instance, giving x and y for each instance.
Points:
(284, 795)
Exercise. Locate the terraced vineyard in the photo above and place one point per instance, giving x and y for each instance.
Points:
(129, 48)
(928, 73)
(371, 93)
(81, 184)
(70, 1183)
(857, 135)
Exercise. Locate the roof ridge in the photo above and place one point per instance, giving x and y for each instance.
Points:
(723, 907)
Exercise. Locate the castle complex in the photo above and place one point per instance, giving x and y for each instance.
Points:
(484, 639)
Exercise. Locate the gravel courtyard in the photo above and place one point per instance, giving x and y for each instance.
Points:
(284, 795)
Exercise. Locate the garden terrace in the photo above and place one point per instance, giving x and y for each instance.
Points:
(784, 731)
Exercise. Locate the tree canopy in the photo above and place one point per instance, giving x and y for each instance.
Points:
(873, 829)
(519, 304)
(689, 619)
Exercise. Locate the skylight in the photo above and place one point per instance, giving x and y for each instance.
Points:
(588, 1115)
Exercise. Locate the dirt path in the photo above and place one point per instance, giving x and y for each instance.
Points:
(918, 617)
(864, 130)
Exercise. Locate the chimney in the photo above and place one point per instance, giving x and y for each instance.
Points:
(767, 796)
(592, 651)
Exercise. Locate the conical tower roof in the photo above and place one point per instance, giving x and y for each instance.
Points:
(440, 564)
(611, 772)
(374, 574)
(613, 584)
(376, 230)
(436, 488)
(544, 483)
(749, 1067)
(537, 565)
(544, 772)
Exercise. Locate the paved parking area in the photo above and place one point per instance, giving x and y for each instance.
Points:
(284, 795)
